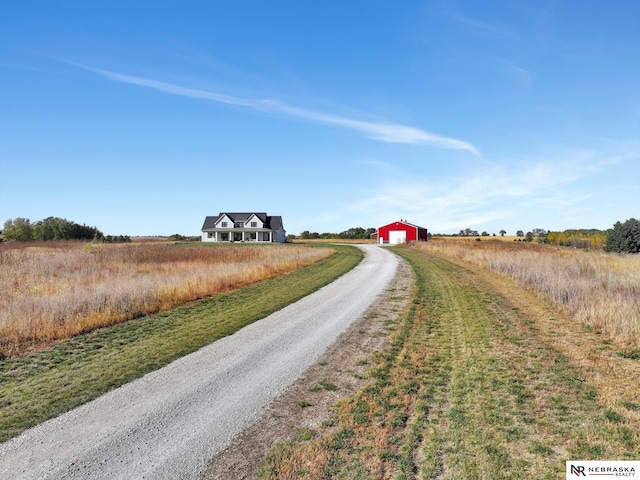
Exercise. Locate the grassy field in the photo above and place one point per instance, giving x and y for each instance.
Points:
(598, 289)
(42, 385)
(482, 379)
(55, 290)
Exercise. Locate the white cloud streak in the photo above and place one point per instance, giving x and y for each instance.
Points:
(473, 200)
(381, 131)
(557, 191)
(479, 26)
(519, 72)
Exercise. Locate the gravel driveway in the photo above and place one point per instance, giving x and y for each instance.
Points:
(169, 423)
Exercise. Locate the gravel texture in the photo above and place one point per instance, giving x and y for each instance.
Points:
(169, 423)
(344, 365)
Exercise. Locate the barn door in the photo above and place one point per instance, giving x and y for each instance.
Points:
(397, 236)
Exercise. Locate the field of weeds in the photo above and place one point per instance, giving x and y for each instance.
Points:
(598, 289)
(52, 291)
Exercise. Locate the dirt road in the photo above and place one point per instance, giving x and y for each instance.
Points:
(167, 424)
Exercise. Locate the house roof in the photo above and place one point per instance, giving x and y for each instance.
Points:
(271, 222)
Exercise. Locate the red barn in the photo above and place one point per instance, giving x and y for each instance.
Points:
(401, 232)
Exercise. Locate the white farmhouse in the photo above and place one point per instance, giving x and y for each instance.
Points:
(243, 227)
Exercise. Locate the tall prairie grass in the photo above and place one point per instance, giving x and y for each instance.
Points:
(600, 290)
(58, 290)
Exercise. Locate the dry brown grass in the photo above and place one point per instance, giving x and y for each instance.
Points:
(597, 289)
(58, 290)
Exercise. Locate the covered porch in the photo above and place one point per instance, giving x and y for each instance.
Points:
(240, 236)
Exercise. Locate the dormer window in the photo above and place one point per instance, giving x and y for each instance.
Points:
(224, 224)
(254, 224)
(238, 224)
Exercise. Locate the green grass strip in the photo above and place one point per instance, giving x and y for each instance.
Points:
(507, 404)
(44, 385)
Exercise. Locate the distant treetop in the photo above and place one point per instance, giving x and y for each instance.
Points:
(624, 237)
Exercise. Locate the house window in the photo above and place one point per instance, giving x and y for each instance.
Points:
(238, 224)
(254, 224)
(209, 235)
(224, 224)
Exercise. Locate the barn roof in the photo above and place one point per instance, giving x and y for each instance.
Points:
(403, 222)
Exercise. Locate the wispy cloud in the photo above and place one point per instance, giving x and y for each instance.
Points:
(557, 190)
(479, 197)
(478, 26)
(381, 131)
(519, 72)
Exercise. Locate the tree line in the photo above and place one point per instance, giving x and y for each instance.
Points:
(352, 233)
(579, 238)
(624, 237)
(55, 228)
(536, 233)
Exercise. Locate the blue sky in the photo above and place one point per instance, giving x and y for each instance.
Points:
(143, 117)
